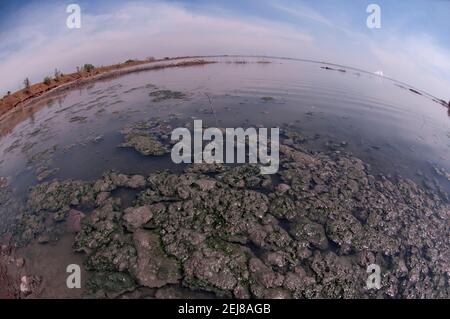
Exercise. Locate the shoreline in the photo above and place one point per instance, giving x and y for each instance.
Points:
(21, 97)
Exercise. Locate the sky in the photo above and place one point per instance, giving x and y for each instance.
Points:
(412, 44)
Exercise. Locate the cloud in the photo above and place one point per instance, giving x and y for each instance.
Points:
(33, 47)
(302, 12)
(416, 60)
(424, 49)
(135, 30)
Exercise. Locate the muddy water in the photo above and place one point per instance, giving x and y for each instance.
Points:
(392, 128)
(75, 134)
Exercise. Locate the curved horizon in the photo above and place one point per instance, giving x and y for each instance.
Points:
(405, 47)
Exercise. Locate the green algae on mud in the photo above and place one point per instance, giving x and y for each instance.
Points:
(144, 144)
(162, 95)
(231, 232)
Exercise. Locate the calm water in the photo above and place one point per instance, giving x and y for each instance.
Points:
(394, 129)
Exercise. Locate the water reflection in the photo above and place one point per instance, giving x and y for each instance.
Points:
(350, 139)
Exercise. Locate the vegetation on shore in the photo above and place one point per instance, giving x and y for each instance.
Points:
(84, 73)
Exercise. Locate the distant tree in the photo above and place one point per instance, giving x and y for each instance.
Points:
(47, 80)
(57, 74)
(88, 67)
(26, 83)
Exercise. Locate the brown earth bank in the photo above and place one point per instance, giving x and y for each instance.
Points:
(12, 100)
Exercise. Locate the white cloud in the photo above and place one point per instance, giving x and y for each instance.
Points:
(422, 48)
(417, 61)
(136, 30)
(139, 30)
(303, 12)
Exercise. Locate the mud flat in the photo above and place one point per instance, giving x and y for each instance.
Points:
(87, 179)
(213, 230)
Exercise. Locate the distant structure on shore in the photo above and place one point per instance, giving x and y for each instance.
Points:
(380, 73)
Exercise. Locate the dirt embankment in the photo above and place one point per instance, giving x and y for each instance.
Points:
(11, 100)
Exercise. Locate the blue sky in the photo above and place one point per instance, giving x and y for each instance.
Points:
(412, 45)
